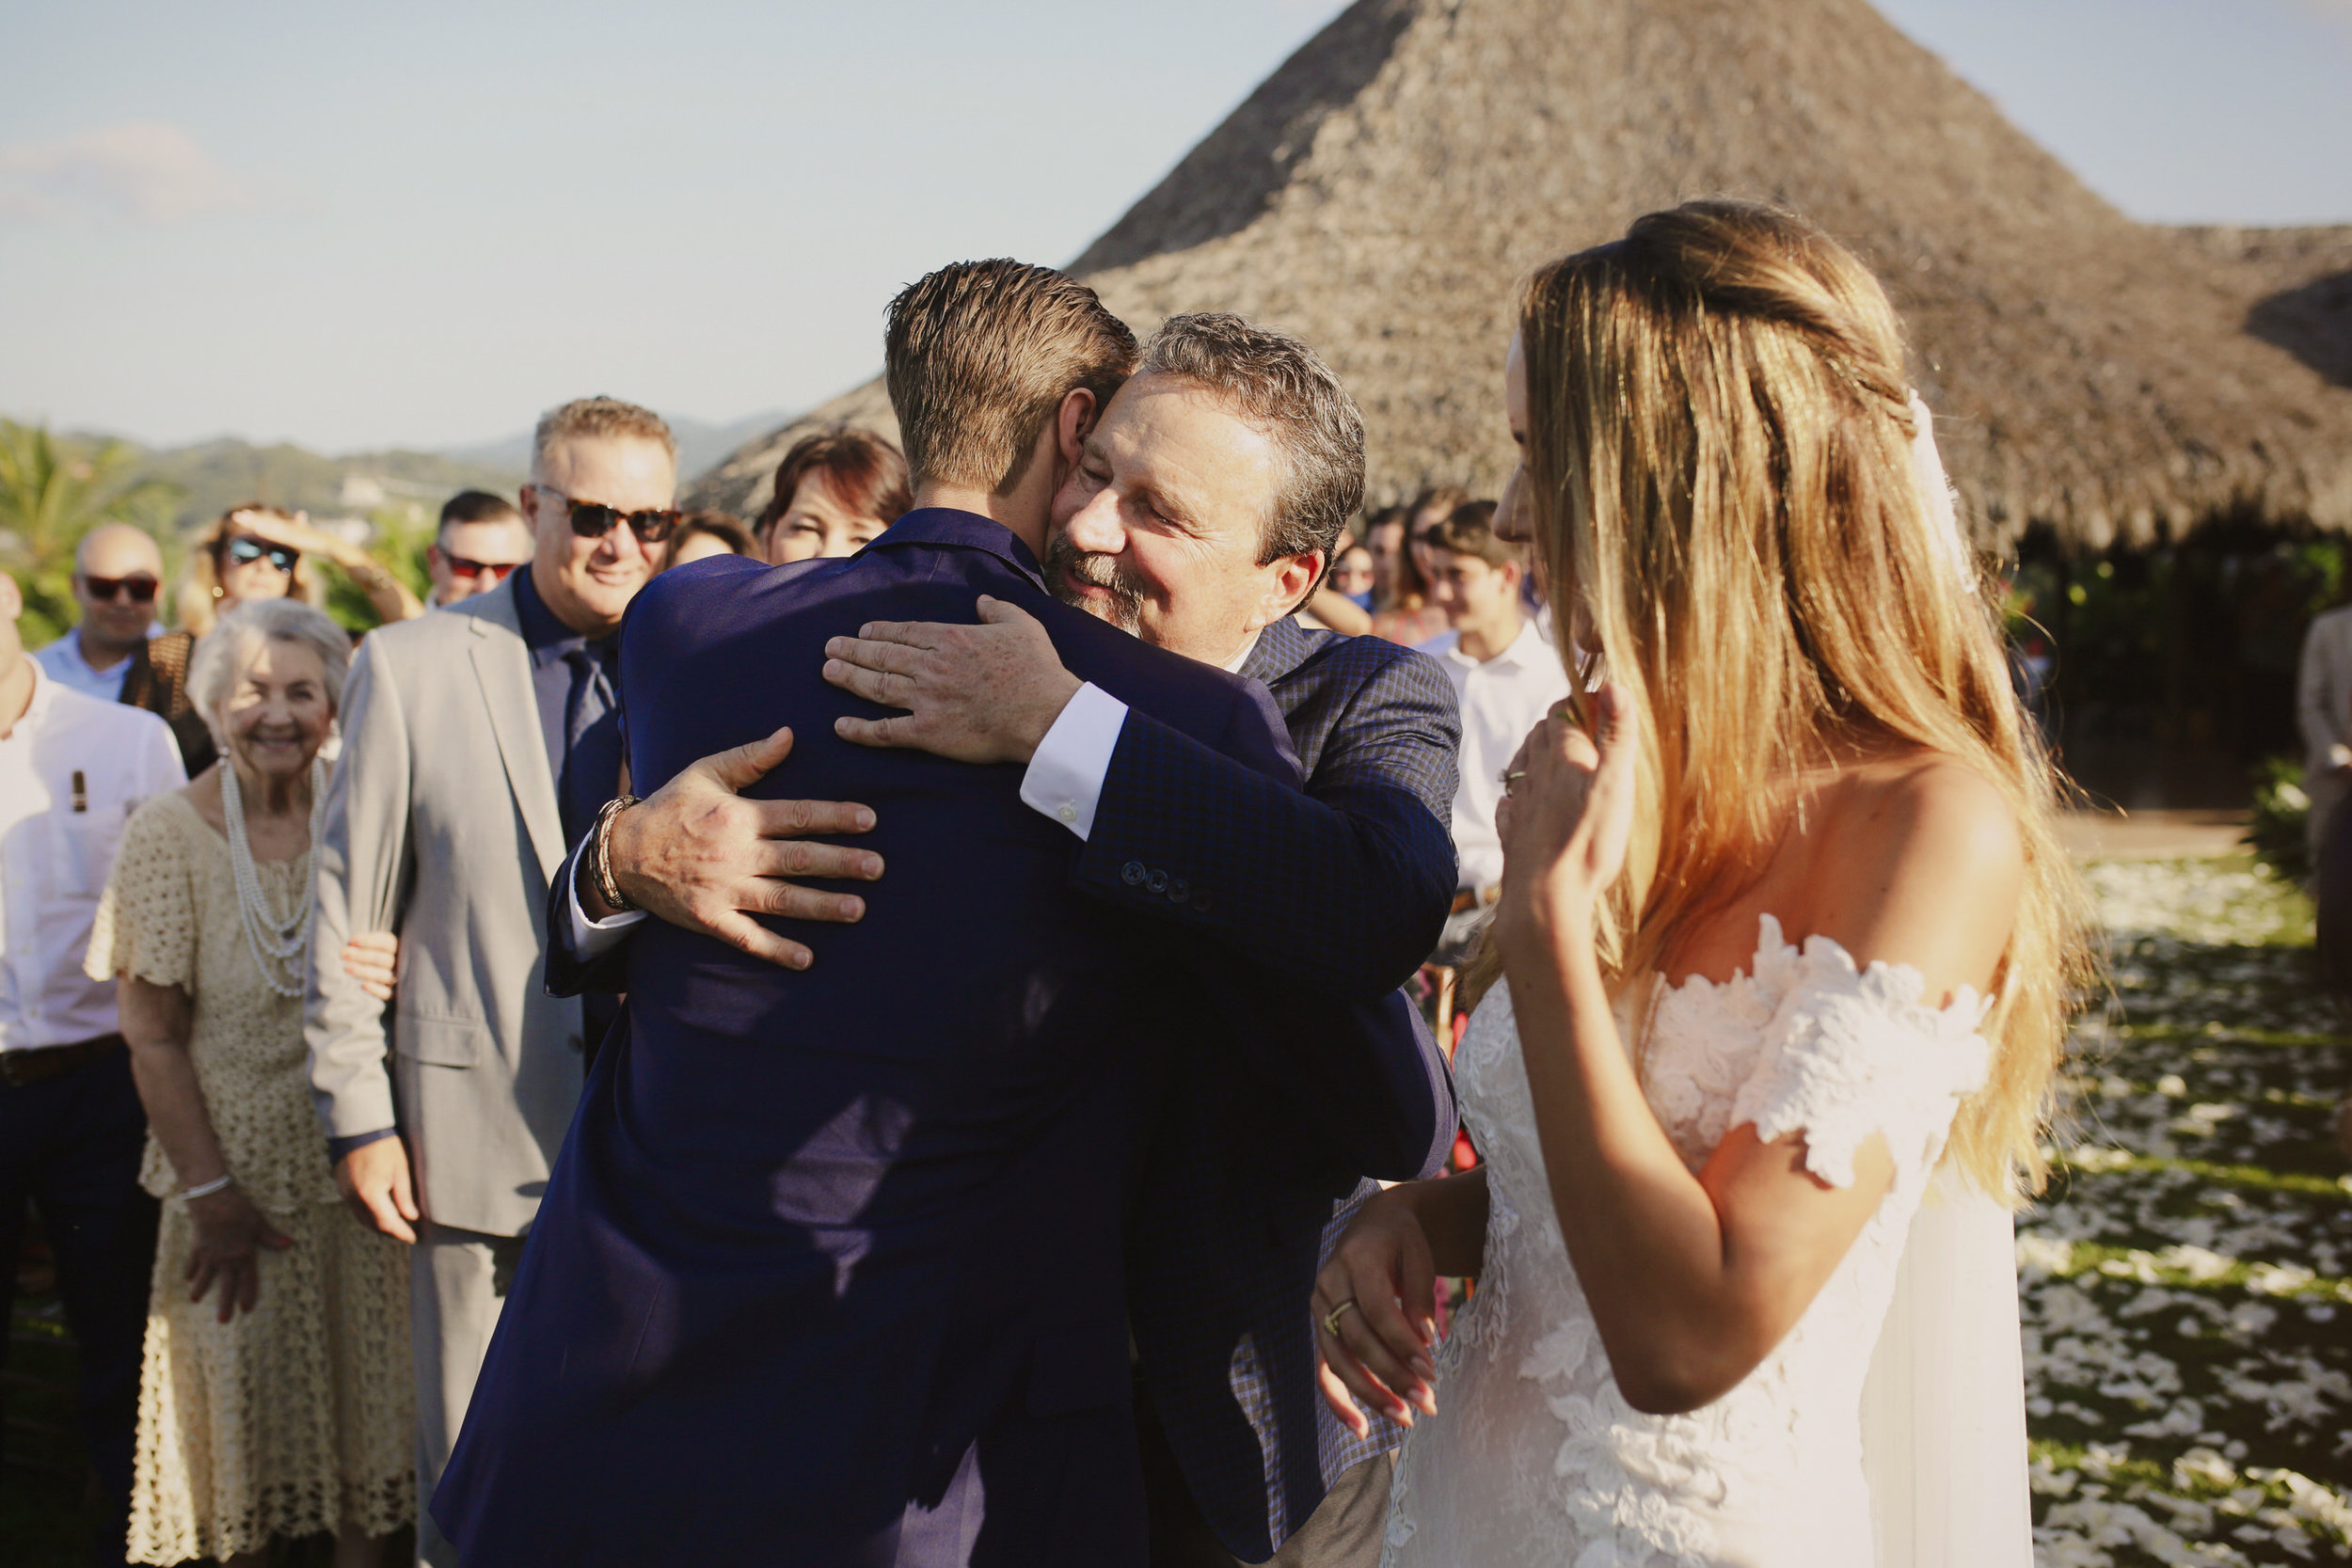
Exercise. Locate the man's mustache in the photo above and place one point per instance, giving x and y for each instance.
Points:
(1066, 563)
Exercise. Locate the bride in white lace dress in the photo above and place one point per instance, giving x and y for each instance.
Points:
(1786, 946)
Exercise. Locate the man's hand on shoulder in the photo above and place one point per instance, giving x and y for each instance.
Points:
(978, 693)
(699, 855)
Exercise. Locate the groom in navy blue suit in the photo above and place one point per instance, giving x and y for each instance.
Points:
(834, 1266)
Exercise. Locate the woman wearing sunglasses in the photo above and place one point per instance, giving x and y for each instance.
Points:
(254, 552)
(264, 552)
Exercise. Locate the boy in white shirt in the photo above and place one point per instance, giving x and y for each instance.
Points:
(1506, 678)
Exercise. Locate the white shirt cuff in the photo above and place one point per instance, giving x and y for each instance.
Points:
(593, 939)
(1065, 777)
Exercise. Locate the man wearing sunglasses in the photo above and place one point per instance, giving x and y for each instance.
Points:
(478, 742)
(481, 538)
(118, 575)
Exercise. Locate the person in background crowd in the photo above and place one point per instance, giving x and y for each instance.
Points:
(481, 538)
(424, 851)
(2322, 709)
(2324, 712)
(253, 552)
(1410, 617)
(834, 491)
(1505, 676)
(700, 534)
(1384, 540)
(72, 769)
(261, 552)
(116, 573)
(1352, 578)
(293, 1418)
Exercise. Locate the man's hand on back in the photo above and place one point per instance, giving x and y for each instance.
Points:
(699, 855)
(981, 693)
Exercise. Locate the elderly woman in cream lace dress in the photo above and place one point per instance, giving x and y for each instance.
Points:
(275, 1397)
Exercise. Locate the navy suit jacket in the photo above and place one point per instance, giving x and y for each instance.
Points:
(819, 1245)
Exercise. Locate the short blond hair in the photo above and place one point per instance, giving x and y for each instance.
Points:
(599, 419)
(978, 357)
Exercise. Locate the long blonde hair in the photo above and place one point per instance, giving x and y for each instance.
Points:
(200, 591)
(1720, 475)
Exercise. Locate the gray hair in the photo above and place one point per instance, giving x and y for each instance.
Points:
(223, 654)
(599, 418)
(1284, 387)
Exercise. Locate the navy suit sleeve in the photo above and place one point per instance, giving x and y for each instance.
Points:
(1345, 887)
(568, 974)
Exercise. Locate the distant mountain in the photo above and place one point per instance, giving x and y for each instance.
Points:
(701, 445)
(218, 474)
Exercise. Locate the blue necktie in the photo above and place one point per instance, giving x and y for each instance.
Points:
(592, 743)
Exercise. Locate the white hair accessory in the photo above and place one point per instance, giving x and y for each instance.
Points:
(1942, 516)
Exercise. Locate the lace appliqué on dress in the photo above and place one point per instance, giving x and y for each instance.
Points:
(1535, 1458)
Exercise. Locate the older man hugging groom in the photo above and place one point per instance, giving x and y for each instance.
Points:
(847, 1262)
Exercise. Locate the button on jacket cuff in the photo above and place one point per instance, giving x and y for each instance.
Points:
(1065, 777)
(591, 938)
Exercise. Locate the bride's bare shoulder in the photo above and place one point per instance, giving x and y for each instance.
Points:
(1920, 860)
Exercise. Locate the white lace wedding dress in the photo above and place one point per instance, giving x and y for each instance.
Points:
(1535, 1459)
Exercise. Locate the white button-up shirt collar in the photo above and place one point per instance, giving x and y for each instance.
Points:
(71, 772)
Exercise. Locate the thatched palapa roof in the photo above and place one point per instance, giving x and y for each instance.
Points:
(1383, 193)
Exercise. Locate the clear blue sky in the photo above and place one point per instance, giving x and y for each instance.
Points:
(419, 225)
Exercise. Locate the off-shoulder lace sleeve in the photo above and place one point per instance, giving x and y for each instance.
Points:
(146, 925)
(1849, 1053)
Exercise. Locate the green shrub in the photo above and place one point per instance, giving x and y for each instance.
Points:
(2278, 831)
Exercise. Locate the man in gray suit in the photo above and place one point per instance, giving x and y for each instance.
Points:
(443, 1133)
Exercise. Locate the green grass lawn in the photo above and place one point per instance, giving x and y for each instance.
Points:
(2188, 1310)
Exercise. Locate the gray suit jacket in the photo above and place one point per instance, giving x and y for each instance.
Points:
(442, 825)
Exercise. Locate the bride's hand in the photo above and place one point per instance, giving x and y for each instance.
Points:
(1565, 817)
(1382, 1285)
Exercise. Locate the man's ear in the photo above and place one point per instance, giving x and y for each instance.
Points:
(1293, 577)
(1072, 421)
(11, 597)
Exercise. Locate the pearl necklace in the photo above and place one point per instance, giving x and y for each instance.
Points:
(279, 945)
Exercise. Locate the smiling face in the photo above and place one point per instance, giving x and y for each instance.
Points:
(589, 582)
(819, 524)
(277, 713)
(1160, 527)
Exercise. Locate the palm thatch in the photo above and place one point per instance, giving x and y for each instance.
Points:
(1384, 191)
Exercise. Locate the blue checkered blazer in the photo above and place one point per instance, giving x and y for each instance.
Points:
(1259, 1156)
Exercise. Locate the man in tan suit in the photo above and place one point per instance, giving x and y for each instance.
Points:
(477, 744)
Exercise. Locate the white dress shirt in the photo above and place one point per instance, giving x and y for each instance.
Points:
(1064, 782)
(63, 663)
(58, 848)
(1501, 700)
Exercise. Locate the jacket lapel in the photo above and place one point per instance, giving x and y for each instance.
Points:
(501, 666)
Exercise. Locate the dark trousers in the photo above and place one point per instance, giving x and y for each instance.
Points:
(1343, 1531)
(71, 1146)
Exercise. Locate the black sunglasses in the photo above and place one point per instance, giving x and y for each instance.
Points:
(594, 519)
(244, 552)
(465, 568)
(141, 586)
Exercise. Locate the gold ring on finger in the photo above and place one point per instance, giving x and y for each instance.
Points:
(1332, 1319)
